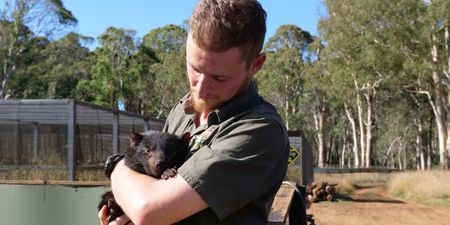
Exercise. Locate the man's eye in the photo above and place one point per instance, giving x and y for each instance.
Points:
(219, 78)
(195, 70)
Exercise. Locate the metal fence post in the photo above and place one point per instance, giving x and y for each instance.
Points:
(35, 141)
(115, 134)
(146, 126)
(71, 136)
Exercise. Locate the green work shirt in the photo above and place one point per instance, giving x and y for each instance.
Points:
(239, 158)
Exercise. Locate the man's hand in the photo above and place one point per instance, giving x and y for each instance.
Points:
(121, 220)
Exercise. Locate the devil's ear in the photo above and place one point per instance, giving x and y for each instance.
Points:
(135, 139)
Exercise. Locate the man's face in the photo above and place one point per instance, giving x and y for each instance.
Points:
(215, 78)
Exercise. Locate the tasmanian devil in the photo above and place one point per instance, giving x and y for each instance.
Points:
(156, 154)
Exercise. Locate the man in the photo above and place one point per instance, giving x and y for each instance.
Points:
(238, 142)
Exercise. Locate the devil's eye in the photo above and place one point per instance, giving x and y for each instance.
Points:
(148, 150)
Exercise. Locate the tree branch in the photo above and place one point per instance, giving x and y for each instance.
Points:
(430, 100)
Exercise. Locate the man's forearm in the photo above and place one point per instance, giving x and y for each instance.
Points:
(147, 200)
(131, 190)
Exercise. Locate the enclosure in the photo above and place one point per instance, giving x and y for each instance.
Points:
(64, 134)
(71, 136)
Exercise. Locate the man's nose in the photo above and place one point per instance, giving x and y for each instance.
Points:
(202, 85)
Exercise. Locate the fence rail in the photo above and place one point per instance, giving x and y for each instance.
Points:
(355, 170)
(45, 167)
(57, 182)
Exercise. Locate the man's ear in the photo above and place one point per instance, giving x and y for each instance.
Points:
(135, 139)
(257, 63)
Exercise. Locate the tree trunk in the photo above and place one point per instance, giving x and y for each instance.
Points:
(447, 106)
(344, 149)
(330, 150)
(318, 122)
(286, 102)
(360, 120)
(354, 135)
(368, 124)
(386, 157)
(405, 162)
(399, 156)
(5, 78)
(439, 105)
(8, 69)
(420, 158)
(430, 142)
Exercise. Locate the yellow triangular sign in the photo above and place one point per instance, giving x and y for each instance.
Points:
(293, 154)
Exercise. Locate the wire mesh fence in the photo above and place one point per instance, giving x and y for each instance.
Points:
(64, 134)
(68, 137)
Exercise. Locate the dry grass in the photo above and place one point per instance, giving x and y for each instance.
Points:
(33, 175)
(347, 182)
(293, 173)
(429, 187)
(91, 175)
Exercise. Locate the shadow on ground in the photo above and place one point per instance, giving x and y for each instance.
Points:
(370, 194)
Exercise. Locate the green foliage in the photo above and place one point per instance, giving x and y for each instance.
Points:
(170, 38)
(379, 51)
(169, 73)
(373, 52)
(281, 80)
(24, 24)
(64, 15)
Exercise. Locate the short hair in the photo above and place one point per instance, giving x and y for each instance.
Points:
(218, 25)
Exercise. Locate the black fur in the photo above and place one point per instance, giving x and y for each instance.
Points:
(156, 154)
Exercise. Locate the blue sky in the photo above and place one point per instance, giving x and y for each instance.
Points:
(95, 16)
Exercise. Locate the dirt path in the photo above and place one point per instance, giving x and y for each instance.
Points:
(374, 206)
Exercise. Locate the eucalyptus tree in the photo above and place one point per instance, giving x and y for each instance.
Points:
(169, 73)
(68, 61)
(365, 42)
(140, 73)
(320, 101)
(427, 62)
(294, 80)
(21, 22)
(109, 74)
(281, 79)
(51, 69)
(437, 38)
(26, 82)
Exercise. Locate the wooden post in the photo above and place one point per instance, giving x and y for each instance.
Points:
(280, 207)
(71, 137)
